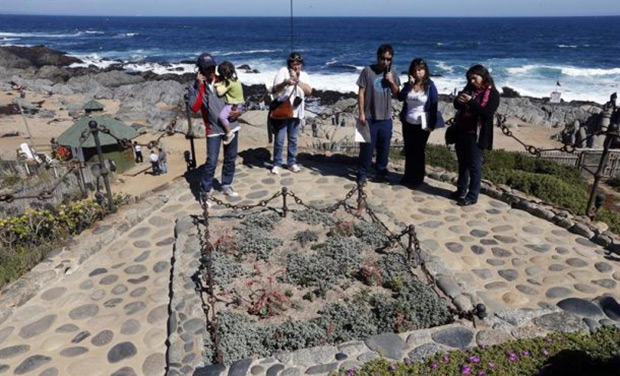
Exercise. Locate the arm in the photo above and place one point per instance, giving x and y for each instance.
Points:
(393, 85)
(361, 99)
(402, 95)
(487, 110)
(305, 87)
(433, 97)
(221, 89)
(196, 96)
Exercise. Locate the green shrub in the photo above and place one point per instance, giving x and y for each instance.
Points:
(441, 156)
(563, 354)
(252, 240)
(371, 234)
(314, 217)
(225, 269)
(305, 237)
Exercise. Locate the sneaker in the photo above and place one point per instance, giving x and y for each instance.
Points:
(294, 168)
(228, 138)
(275, 170)
(206, 198)
(230, 192)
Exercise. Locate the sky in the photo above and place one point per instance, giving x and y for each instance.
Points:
(313, 8)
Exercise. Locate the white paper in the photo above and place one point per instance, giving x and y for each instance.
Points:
(362, 132)
(424, 121)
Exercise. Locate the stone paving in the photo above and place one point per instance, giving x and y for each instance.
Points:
(106, 317)
(109, 316)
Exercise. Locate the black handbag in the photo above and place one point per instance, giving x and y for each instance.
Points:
(451, 135)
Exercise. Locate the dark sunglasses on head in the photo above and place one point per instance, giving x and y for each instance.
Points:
(296, 59)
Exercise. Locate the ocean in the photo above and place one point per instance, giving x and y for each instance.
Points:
(530, 55)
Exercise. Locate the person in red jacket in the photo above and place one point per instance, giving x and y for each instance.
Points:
(203, 98)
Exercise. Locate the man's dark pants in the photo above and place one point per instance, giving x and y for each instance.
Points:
(380, 136)
(228, 168)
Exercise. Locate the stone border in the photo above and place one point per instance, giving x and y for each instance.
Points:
(186, 324)
(92, 240)
(597, 232)
(418, 345)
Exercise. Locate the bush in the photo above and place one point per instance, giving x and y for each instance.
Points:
(314, 217)
(369, 233)
(305, 237)
(563, 354)
(224, 269)
(256, 241)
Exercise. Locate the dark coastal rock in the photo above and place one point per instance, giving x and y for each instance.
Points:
(457, 337)
(610, 306)
(37, 56)
(580, 307)
(388, 345)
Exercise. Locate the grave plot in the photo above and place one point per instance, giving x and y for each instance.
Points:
(308, 279)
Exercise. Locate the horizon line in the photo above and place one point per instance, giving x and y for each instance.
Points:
(286, 16)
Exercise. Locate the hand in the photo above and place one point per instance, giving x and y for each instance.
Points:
(389, 77)
(463, 98)
(363, 119)
(411, 80)
(233, 115)
(200, 78)
(291, 81)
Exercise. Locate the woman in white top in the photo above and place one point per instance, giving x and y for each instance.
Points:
(287, 79)
(419, 118)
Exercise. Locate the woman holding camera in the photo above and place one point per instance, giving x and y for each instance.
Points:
(291, 84)
(476, 106)
(419, 118)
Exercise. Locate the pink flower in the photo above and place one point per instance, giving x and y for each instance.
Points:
(482, 373)
(392, 367)
(525, 353)
(435, 366)
(545, 352)
(408, 361)
(466, 370)
(446, 359)
(491, 365)
(512, 357)
(474, 359)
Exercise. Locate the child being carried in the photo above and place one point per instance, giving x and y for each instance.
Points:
(230, 88)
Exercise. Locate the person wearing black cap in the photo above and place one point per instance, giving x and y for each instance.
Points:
(203, 98)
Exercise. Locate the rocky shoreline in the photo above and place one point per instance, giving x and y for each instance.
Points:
(151, 98)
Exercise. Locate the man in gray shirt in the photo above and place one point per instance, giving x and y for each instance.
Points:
(377, 83)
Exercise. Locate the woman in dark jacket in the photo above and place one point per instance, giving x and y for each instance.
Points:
(476, 106)
(419, 118)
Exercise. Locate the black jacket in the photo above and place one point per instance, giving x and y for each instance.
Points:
(486, 115)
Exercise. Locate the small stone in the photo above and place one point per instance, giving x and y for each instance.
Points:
(527, 290)
(257, 370)
(98, 271)
(603, 267)
(457, 337)
(160, 266)
(557, 292)
(488, 337)
(138, 292)
(211, 370)
(533, 270)
(388, 345)
(121, 351)
(81, 336)
(582, 287)
(37, 327)
(483, 273)
(488, 242)
(193, 325)
(31, 363)
(291, 372)
(274, 369)
(12, 351)
(454, 247)
(134, 307)
(495, 262)
(478, 250)
(108, 279)
(240, 367)
(496, 285)
(83, 312)
(431, 224)
(86, 285)
(67, 328)
(605, 283)
(125, 371)
(135, 269)
(112, 302)
(424, 351)
(119, 289)
(576, 262)
(135, 281)
(557, 267)
(367, 356)
(72, 352)
(580, 307)
(102, 338)
(130, 327)
(539, 248)
(323, 368)
(559, 321)
(53, 293)
(157, 314)
(49, 372)
(505, 239)
(143, 256)
(509, 274)
(500, 252)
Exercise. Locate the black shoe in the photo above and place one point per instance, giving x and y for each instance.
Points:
(466, 202)
(457, 196)
(380, 179)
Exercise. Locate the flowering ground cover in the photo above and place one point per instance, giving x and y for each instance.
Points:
(596, 353)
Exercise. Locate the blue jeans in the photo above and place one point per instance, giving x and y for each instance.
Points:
(228, 169)
(380, 136)
(288, 127)
(469, 156)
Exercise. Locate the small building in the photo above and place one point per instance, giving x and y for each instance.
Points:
(112, 150)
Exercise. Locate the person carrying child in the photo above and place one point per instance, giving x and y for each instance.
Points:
(230, 88)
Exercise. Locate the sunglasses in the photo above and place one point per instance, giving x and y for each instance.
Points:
(296, 59)
(381, 58)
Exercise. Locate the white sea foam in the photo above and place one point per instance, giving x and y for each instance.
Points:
(94, 32)
(40, 35)
(567, 46)
(246, 52)
(445, 67)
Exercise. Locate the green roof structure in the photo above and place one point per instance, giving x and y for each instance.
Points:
(93, 105)
(71, 137)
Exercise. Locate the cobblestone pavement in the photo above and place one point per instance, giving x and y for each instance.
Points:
(108, 317)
